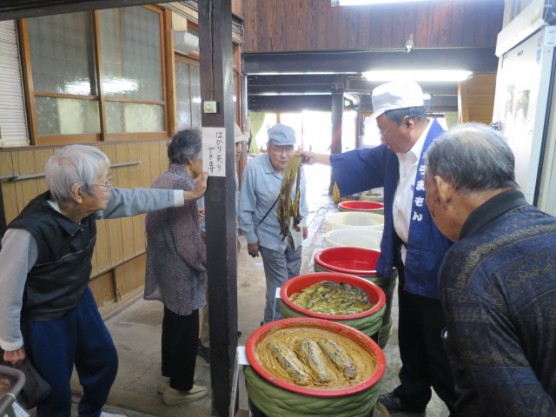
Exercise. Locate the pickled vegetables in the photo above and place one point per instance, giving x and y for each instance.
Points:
(286, 207)
(334, 298)
(315, 358)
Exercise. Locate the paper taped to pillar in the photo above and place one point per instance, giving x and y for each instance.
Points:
(353, 219)
(185, 42)
(214, 151)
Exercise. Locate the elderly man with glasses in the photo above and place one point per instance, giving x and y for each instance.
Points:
(258, 200)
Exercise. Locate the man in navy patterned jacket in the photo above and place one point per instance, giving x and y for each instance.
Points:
(498, 281)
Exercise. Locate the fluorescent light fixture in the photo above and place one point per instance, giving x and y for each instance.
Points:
(418, 75)
(370, 2)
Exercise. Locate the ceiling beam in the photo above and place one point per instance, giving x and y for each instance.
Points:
(482, 60)
(20, 9)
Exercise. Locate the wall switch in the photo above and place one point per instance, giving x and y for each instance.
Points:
(210, 107)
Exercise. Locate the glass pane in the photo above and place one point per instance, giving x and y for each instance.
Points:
(62, 54)
(131, 53)
(133, 117)
(183, 96)
(195, 96)
(67, 116)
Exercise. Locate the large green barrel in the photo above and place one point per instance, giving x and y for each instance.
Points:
(368, 322)
(360, 262)
(275, 397)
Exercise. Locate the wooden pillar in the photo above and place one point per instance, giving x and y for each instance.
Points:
(216, 54)
(337, 115)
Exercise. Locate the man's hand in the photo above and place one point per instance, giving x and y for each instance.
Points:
(310, 158)
(253, 249)
(200, 188)
(15, 357)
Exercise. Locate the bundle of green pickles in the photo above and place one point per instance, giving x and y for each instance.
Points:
(334, 298)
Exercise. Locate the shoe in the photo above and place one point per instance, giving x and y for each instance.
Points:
(163, 384)
(239, 334)
(394, 403)
(173, 396)
(105, 414)
(203, 352)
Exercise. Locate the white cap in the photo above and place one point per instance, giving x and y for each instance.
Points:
(281, 135)
(238, 134)
(396, 95)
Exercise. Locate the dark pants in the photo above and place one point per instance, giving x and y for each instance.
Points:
(180, 335)
(81, 338)
(424, 360)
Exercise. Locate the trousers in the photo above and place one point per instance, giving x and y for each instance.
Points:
(278, 268)
(79, 338)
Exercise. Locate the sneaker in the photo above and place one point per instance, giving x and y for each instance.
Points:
(173, 396)
(203, 352)
(163, 384)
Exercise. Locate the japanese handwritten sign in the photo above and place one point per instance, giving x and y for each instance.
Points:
(214, 151)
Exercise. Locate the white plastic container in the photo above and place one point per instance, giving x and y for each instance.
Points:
(355, 237)
(345, 219)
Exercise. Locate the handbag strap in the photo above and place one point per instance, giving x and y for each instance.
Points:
(269, 210)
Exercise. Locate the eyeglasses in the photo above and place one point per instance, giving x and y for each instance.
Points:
(107, 185)
(384, 133)
(282, 150)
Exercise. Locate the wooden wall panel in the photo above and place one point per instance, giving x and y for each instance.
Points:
(119, 241)
(274, 25)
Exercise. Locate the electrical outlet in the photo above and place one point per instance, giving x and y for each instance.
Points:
(210, 107)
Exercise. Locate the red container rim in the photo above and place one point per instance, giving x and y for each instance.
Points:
(334, 259)
(359, 205)
(300, 282)
(355, 335)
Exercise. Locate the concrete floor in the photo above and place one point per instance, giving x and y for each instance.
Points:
(136, 331)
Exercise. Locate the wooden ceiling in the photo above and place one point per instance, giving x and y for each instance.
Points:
(297, 53)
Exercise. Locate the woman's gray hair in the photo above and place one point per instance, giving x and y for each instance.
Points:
(472, 157)
(185, 147)
(74, 164)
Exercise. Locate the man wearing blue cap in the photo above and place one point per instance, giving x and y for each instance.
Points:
(410, 242)
(260, 191)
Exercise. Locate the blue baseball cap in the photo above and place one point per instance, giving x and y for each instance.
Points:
(281, 135)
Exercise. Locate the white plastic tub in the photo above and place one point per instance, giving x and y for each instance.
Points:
(345, 219)
(355, 237)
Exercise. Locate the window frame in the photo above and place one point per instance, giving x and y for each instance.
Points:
(103, 136)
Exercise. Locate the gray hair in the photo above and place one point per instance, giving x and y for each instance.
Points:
(472, 157)
(185, 147)
(74, 164)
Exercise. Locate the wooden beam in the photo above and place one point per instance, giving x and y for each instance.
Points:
(217, 75)
(341, 62)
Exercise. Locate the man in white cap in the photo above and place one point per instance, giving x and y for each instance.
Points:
(410, 242)
(260, 191)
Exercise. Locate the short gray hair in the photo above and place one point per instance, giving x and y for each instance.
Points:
(185, 147)
(74, 164)
(472, 157)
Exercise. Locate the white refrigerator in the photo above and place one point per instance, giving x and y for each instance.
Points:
(525, 111)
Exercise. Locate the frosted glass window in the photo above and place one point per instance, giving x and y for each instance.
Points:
(62, 54)
(183, 95)
(66, 116)
(134, 117)
(131, 53)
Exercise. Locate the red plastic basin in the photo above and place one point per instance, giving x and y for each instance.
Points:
(360, 205)
(300, 282)
(348, 260)
(355, 335)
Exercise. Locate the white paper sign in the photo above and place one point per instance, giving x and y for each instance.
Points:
(214, 151)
